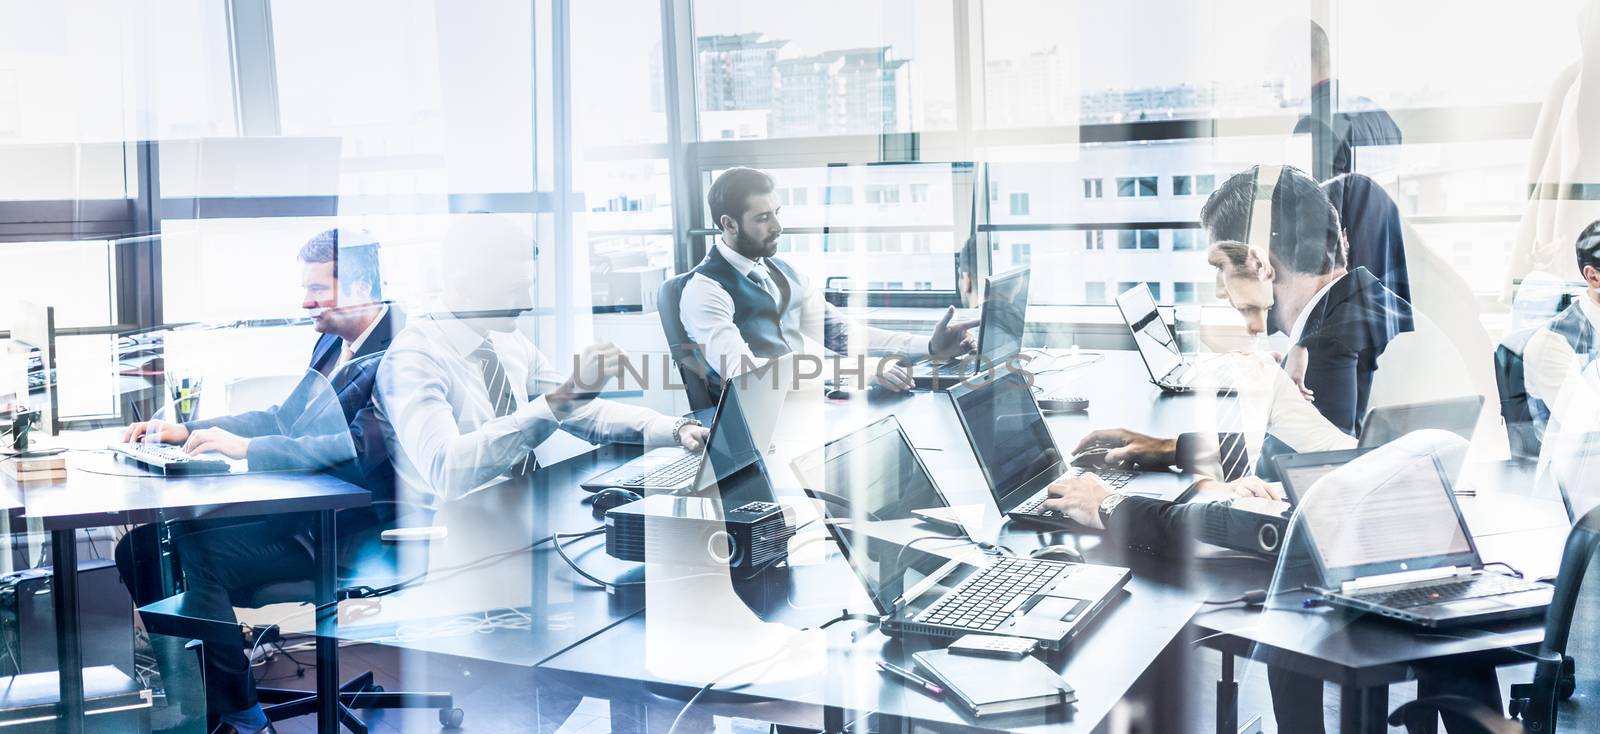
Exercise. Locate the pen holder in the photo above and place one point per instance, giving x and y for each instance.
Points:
(185, 398)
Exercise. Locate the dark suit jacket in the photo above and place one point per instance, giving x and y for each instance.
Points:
(1372, 222)
(1344, 335)
(316, 428)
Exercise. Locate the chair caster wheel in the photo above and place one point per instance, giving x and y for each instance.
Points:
(451, 718)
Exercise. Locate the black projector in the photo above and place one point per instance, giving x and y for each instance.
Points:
(1242, 530)
(690, 530)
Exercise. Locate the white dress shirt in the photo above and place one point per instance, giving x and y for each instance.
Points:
(1548, 362)
(445, 437)
(352, 348)
(707, 313)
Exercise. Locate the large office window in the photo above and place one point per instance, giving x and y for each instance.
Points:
(832, 67)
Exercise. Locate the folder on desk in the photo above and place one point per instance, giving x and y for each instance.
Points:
(988, 686)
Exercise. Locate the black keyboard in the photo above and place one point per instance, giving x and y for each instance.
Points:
(169, 460)
(1117, 478)
(1440, 592)
(667, 476)
(987, 598)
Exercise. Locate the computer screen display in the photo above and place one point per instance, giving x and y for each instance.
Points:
(1150, 334)
(1390, 515)
(1009, 435)
(1005, 316)
(870, 482)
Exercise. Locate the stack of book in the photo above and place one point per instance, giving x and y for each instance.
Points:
(36, 469)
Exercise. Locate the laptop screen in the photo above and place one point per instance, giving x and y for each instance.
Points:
(1381, 515)
(1005, 316)
(747, 415)
(1009, 436)
(1155, 341)
(870, 482)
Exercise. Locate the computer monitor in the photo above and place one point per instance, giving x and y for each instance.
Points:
(1005, 317)
(1155, 341)
(1009, 436)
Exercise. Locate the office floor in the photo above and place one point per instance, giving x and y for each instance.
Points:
(501, 698)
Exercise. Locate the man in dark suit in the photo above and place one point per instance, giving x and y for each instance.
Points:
(1284, 272)
(327, 423)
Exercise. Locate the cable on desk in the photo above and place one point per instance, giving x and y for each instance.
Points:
(1251, 598)
(370, 592)
(1513, 569)
(771, 660)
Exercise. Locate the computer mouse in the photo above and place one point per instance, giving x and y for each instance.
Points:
(1058, 553)
(611, 497)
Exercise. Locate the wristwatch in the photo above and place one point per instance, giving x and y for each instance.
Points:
(685, 421)
(1108, 506)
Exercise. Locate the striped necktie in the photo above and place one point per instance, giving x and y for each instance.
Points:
(500, 397)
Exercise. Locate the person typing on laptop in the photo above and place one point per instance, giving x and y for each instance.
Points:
(326, 423)
(744, 305)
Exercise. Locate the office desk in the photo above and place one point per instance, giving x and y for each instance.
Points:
(100, 490)
(499, 520)
(1151, 616)
(1365, 655)
(1105, 662)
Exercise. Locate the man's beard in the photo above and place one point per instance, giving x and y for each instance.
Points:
(756, 249)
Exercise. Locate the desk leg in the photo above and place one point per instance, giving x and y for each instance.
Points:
(69, 647)
(1227, 698)
(327, 643)
(1363, 710)
(833, 720)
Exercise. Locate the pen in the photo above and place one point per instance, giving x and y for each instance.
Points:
(910, 677)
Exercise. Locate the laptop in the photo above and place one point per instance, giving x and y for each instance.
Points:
(1000, 332)
(929, 583)
(1170, 369)
(1019, 457)
(1456, 415)
(749, 401)
(1395, 544)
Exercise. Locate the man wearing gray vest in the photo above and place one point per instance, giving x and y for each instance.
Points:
(743, 306)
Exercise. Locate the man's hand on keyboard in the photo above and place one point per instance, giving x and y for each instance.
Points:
(1128, 448)
(218, 441)
(693, 437)
(156, 432)
(1079, 497)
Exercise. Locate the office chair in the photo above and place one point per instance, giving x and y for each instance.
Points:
(367, 561)
(703, 392)
(1558, 699)
(1524, 420)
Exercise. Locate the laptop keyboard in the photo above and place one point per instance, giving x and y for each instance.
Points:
(1117, 478)
(986, 599)
(1488, 584)
(666, 476)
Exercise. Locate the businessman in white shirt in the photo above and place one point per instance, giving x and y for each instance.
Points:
(744, 306)
(467, 396)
